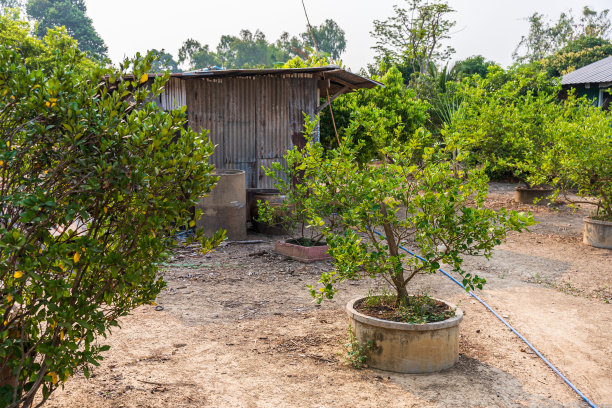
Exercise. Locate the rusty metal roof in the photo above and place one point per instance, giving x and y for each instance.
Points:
(340, 80)
(597, 72)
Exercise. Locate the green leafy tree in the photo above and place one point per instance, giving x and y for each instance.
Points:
(330, 38)
(579, 160)
(438, 209)
(414, 36)
(546, 38)
(476, 64)
(10, 4)
(395, 107)
(94, 185)
(71, 14)
(198, 55)
(577, 54)
(503, 121)
(248, 49)
(38, 53)
(163, 62)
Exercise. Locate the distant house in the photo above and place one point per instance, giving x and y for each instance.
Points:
(593, 80)
(256, 115)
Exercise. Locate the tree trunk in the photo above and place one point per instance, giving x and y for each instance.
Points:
(397, 275)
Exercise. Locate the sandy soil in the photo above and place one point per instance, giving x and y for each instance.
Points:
(239, 329)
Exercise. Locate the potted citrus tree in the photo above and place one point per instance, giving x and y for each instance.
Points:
(291, 214)
(580, 162)
(503, 123)
(428, 205)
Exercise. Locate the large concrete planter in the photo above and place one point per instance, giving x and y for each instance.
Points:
(526, 195)
(405, 347)
(597, 233)
(302, 253)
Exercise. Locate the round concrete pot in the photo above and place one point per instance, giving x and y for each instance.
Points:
(526, 195)
(405, 347)
(597, 233)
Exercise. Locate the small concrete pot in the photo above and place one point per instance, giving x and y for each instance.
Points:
(408, 348)
(306, 254)
(597, 233)
(526, 195)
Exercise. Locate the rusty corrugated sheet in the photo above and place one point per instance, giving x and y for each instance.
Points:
(174, 94)
(252, 120)
(340, 79)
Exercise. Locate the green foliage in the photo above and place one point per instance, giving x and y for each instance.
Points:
(413, 194)
(294, 212)
(329, 37)
(419, 309)
(546, 38)
(414, 36)
(94, 185)
(312, 61)
(356, 353)
(39, 53)
(579, 161)
(375, 116)
(71, 14)
(471, 66)
(6, 5)
(199, 56)
(164, 62)
(577, 54)
(504, 121)
(252, 50)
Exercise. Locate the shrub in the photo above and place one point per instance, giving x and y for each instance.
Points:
(580, 159)
(292, 214)
(425, 200)
(94, 182)
(503, 121)
(394, 107)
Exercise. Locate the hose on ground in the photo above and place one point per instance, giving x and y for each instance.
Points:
(548, 363)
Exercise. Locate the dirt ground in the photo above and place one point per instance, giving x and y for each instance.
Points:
(239, 329)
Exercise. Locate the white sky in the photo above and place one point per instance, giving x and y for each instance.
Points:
(491, 28)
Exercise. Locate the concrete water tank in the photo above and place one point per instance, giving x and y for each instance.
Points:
(224, 208)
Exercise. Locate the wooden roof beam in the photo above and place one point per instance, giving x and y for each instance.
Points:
(331, 99)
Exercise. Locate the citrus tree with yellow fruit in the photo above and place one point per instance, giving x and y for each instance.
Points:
(95, 180)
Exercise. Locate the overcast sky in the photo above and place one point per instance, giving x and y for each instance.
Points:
(491, 28)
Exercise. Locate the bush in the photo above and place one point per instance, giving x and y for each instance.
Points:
(503, 121)
(94, 182)
(424, 199)
(394, 107)
(581, 158)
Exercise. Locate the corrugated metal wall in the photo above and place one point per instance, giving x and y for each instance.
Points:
(252, 120)
(173, 95)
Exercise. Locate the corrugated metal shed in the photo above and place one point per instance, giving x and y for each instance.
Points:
(597, 72)
(255, 116)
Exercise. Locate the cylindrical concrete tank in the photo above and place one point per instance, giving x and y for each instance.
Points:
(225, 208)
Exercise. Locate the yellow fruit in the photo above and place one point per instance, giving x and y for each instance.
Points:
(76, 257)
(18, 274)
(144, 78)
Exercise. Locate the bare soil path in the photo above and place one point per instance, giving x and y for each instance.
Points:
(239, 329)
